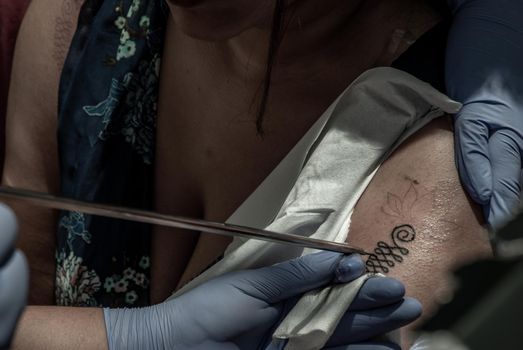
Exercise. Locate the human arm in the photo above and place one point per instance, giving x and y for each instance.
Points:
(31, 151)
(233, 311)
(419, 186)
(484, 72)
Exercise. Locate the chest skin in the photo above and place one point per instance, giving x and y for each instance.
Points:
(209, 157)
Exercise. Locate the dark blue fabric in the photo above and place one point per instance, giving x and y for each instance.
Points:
(107, 110)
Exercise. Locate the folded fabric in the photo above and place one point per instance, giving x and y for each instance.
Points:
(320, 182)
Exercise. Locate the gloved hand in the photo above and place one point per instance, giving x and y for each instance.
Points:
(240, 310)
(14, 277)
(484, 71)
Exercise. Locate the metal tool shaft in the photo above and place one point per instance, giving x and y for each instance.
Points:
(149, 217)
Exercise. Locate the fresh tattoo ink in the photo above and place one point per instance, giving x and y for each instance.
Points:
(386, 255)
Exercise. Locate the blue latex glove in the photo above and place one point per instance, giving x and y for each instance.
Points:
(484, 71)
(240, 310)
(14, 277)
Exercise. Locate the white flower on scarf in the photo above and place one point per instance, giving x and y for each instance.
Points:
(145, 262)
(121, 286)
(145, 22)
(124, 36)
(120, 22)
(126, 50)
(75, 284)
(131, 297)
(140, 280)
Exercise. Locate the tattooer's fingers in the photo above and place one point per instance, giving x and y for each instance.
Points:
(506, 176)
(14, 284)
(472, 155)
(358, 326)
(377, 292)
(274, 284)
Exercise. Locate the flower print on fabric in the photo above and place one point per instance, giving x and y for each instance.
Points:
(104, 110)
(74, 224)
(140, 280)
(128, 32)
(131, 297)
(144, 263)
(76, 285)
(141, 108)
(106, 135)
(139, 92)
(127, 283)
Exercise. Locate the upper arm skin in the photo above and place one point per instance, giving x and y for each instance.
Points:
(31, 146)
(419, 186)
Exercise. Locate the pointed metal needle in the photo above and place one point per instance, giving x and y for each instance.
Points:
(149, 217)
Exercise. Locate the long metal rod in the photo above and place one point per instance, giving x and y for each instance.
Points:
(149, 217)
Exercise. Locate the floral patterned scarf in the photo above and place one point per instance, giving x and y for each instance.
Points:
(106, 135)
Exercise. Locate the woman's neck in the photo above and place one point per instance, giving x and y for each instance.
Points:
(307, 25)
(316, 37)
(316, 32)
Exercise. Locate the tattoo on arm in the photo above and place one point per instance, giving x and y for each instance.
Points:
(386, 255)
(418, 213)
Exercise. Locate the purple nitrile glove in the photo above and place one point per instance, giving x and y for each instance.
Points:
(14, 277)
(240, 310)
(484, 71)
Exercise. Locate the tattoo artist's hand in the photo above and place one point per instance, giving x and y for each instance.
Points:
(14, 277)
(485, 73)
(240, 310)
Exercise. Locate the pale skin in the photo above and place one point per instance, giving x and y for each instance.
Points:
(421, 175)
(212, 177)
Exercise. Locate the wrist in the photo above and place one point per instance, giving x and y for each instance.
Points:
(141, 328)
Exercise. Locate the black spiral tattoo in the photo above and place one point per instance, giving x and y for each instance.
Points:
(387, 255)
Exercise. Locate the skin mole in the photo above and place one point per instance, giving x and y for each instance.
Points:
(414, 181)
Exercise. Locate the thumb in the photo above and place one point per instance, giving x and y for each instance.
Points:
(14, 283)
(294, 277)
(8, 229)
(472, 154)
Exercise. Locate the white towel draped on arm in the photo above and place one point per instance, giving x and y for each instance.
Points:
(313, 191)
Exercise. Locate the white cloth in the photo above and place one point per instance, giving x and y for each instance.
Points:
(439, 340)
(314, 189)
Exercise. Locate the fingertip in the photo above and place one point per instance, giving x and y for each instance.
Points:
(8, 230)
(378, 292)
(349, 268)
(496, 216)
(289, 278)
(8, 221)
(477, 183)
(481, 196)
(324, 255)
(472, 158)
(504, 204)
(319, 262)
(412, 308)
(387, 287)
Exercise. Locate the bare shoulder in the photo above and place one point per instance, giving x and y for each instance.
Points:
(42, 44)
(416, 219)
(31, 144)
